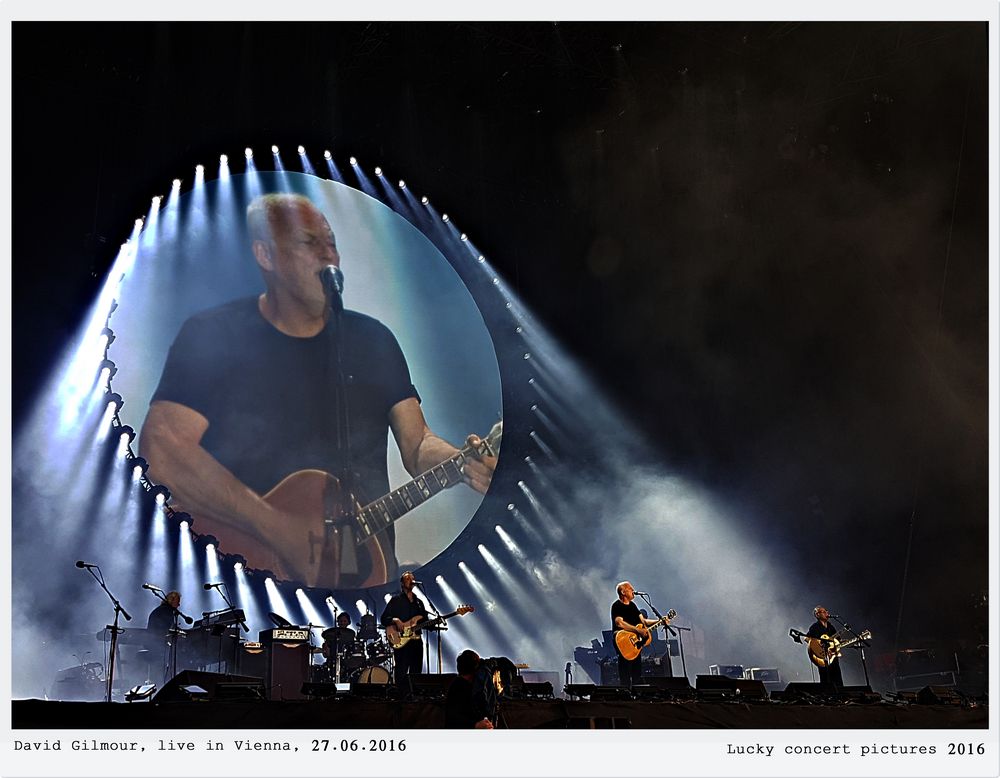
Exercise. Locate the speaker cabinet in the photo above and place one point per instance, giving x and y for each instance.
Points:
(287, 670)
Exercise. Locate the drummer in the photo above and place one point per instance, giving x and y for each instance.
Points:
(341, 637)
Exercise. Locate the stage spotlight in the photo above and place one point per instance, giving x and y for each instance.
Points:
(496, 282)
(510, 506)
(115, 399)
(327, 155)
(301, 150)
(508, 306)
(387, 597)
(126, 434)
(402, 184)
(439, 579)
(160, 493)
(183, 518)
(156, 201)
(109, 366)
(238, 567)
(518, 330)
(138, 223)
(362, 607)
(199, 169)
(465, 238)
(353, 161)
(223, 159)
(534, 407)
(176, 184)
(274, 150)
(424, 200)
(527, 355)
(210, 548)
(378, 171)
(109, 336)
(444, 217)
(248, 152)
(139, 467)
(482, 258)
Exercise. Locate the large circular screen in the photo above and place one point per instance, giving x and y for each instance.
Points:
(315, 426)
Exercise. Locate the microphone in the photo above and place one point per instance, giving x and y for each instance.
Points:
(333, 286)
(417, 583)
(211, 585)
(834, 616)
(151, 587)
(81, 564)
(188, 619)
(641, 594)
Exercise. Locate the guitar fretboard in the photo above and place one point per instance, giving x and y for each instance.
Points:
(379, 515)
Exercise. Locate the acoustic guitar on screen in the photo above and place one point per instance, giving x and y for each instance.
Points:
(334, 541)
(630, 644)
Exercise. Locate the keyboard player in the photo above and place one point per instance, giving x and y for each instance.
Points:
(164, 616)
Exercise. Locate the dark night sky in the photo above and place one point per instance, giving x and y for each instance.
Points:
(768, 242)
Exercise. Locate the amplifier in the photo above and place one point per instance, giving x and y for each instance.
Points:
(284, 635)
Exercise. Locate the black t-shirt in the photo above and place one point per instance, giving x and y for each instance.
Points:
(161, 618)
(400, 607)
(629, 613)
(270, 399)
(818, 630)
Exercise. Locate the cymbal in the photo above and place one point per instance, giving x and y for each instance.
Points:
(279, 621)
(339, 634)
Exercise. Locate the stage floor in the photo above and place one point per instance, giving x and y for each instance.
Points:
(352, 713)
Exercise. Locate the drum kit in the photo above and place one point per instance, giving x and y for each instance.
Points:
(361, 656)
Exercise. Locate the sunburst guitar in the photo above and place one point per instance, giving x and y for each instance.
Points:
(411, 629)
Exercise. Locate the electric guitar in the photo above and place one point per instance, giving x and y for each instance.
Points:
(825, 655)
(412, 627)
(333, 541)
(630, 645)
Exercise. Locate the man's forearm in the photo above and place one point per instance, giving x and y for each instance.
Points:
(202, 486)
(432, 451)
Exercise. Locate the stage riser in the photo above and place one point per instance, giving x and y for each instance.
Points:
(377, 714)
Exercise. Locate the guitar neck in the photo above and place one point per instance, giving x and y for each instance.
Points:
(381, 514)
(432, 622)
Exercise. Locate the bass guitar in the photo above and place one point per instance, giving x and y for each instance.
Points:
(411, 628)
(332, 540)
(630, 645)
(826, 649)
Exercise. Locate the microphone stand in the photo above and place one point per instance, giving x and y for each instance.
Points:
(861, 647)
(342, 437)
(659, 615)
(115, 629)
(440, 628)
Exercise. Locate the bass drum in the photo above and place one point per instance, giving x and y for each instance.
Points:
(373, 675)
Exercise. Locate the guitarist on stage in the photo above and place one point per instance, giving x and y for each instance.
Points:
(625, 615)
(831, 673)
(403, 610)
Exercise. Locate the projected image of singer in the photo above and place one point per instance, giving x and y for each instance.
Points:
(270, 421)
